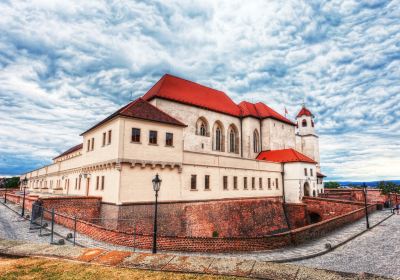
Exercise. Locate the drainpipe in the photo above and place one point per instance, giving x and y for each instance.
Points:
(241, 137)
(284, 197)
(261, 139)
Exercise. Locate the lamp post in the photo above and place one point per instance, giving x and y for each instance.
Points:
(156, 187)
(365, 203)
(24, 182)
(5, 191)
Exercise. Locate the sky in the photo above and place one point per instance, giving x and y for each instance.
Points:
(65, 65)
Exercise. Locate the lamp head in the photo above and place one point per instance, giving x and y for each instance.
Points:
(25, 181)
(156, 183)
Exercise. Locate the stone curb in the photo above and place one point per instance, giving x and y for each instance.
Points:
(323, 252)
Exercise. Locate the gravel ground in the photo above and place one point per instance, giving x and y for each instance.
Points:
(377, 252)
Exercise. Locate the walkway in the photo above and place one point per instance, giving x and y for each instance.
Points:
(15, 227)
(377, 251)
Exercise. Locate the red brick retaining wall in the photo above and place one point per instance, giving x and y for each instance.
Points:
(373, 195)
(297, 214)
(329, 208)
(220, 244)
(226, 218)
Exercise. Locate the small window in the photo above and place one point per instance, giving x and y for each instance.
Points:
(245, 183)
(97, 182)
(109, 137)
(225, 182)
(76, 183)
(102, 182)
(88, 145)
(269, 183)
(311, 172)
(260, 183)
(79, 183)
(305, 172)
(235, 183)
(253, 183)
(276, 183)
(312, 123)
(193, 182)
(92, 144)
(153, 137)
(207, 182)
(169, 139)
(104, 138)
(203, 129)
(135, 135)
(304, 123)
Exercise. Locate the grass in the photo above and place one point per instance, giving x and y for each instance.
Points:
(41, 268)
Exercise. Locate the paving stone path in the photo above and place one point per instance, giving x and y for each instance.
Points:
(377, 251)
(13, 226)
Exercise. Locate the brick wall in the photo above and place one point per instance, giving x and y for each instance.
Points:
(328, 208)
(227, 218)
(297, 214)
(373, 195)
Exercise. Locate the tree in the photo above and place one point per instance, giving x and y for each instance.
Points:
(388, 187)
(331, 185)
(11, 183)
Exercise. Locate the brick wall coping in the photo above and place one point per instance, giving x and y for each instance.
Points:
(193, 201)
(334, 200)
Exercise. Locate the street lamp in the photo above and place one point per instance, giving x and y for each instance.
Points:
(365, 203)
(24, 183)
(156, 187)
(3, 185)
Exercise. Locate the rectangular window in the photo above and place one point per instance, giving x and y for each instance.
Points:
(235, 183)
(260, 183)
(88, 145)
(193, 182)
(269, 183)
(79, 183)
(92, 144)
(102, 183)
(153, 137)
(97, 182)
(245, 183)
(76, 183)
(135, 135)
(207, 182)
(276, 183)
(305, 172)
(169, 139)
(311, 172)
(225, 182)
(104, 138)
(109, 137)
(253, 183)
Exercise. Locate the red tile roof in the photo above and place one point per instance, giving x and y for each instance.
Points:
(261, 111)
(304, 112)
(286, 155)
(180, 90)
(70, 150)
(320, 175)
(141, 109)
(187, 92)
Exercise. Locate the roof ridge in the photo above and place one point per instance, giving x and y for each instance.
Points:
(189, 81)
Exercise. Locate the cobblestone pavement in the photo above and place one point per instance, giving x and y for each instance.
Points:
(377, 251)
(14, 227)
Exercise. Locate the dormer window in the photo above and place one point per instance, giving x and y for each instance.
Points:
(304, 123)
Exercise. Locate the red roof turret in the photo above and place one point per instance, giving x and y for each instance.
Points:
(304, 112)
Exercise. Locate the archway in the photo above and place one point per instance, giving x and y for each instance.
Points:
(314, 217)
(306, 189)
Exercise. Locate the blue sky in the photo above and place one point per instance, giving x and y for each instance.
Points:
(66, 65)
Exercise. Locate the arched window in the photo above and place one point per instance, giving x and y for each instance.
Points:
(202, 127)
(256, 142)
(218, 139)
(233, 139)
(304, 123)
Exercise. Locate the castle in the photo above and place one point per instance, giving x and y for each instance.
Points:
(203, 145)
